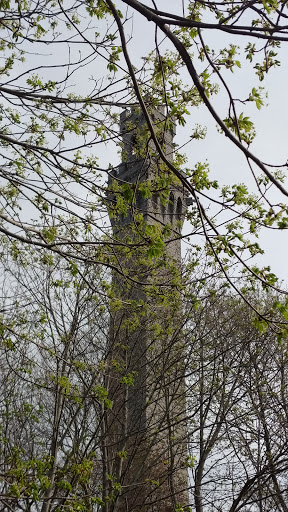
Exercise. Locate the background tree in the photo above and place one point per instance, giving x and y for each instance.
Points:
(53, 351)
(237, 409)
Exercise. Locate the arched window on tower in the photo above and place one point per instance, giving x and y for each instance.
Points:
(155, 202)
(140, 202)
(163, 210)
(171, 207)
(179, 212)
(179, 209)
(133, 144)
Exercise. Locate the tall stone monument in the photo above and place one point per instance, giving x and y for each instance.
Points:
(146, 443)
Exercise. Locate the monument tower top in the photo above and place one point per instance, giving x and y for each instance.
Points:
(165, 204)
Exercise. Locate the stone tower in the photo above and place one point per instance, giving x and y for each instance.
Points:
(146, 442)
